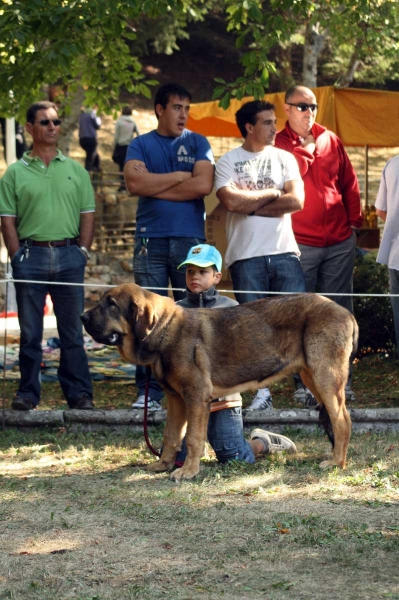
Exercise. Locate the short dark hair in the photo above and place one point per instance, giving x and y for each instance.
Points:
(126, 110)
(248, 114)
(170, 89)
(34, 108)
(214, 267)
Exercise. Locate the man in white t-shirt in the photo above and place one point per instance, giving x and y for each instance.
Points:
(387, 205)
(260, 186)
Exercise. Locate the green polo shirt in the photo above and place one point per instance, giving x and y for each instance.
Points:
(46, 201)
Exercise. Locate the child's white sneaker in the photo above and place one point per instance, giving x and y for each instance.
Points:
(262, 400)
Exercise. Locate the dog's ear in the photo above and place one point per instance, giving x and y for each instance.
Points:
(144, 318)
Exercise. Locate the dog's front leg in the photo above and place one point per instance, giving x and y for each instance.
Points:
(174, 431)
(197, 424)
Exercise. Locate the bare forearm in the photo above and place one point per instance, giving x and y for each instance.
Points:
(287, 203)
(10, 235)
(152, 184)
(246, 201)
(191, 189)
(382, 214)
(86, 230)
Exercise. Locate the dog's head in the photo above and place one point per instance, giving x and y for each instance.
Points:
(124, 311)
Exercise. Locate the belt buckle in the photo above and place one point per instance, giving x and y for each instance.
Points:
(49, 245)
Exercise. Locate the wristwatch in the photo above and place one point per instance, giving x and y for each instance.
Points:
(85, 250)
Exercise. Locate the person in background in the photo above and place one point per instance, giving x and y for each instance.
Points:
(20, 144)
(125, 130)
(260, 187)
(171, 170)
(89, 123)
(47, 221)
(387, 208)
(327, 227)
(225, 427)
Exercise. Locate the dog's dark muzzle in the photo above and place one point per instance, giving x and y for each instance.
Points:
(112, 338)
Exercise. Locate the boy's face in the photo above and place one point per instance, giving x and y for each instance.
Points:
(200, 279)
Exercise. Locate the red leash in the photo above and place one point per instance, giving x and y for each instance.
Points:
(145, 419)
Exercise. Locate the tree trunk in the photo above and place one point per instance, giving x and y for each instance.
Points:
(314, 43)
(354, 65)
(285, 66)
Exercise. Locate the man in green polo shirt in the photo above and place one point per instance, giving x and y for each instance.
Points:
(47, 220)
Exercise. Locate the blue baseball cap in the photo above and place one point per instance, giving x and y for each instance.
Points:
(204, 255)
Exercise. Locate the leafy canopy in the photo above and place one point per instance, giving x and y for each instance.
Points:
(71, 42)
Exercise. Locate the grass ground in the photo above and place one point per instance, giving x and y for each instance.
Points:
(80, 518)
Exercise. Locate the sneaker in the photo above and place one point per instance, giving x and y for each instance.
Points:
(262, 400)
(81, 403)
(310, 400)
(274, 442)
(153, 405)
(300, 395)
(349, 394)
(20, 403)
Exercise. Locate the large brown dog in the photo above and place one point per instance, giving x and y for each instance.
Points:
(198, 355)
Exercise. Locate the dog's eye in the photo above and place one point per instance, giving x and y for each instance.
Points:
(112, 302)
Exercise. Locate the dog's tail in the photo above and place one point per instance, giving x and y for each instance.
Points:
(325, 422)
(355, 339)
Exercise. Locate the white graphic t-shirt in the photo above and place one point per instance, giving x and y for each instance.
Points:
(250, 236)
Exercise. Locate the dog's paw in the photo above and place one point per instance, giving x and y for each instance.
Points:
(183, 473)
(160, 466)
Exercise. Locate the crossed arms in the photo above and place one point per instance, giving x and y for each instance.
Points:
(263, 203)
(176, 186)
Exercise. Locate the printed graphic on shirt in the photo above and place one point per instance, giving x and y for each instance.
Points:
(258, 174)
(183, 155)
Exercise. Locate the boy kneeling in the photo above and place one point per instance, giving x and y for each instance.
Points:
(225, 427)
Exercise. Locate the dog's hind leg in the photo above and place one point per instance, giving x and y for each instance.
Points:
(174, 432)
(328, 386)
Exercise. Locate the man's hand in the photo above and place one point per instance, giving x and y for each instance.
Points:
(10, 235)
(180, 175)
(309, 143)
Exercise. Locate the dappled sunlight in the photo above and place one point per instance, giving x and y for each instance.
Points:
(58, 544)
(49, 459)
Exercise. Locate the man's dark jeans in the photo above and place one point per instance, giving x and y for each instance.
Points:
(64, 264)
(155, 262)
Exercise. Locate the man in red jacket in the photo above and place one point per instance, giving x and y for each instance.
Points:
(326, 228)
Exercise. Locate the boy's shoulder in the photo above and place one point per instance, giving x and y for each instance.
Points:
(225, 301)
(209, 299)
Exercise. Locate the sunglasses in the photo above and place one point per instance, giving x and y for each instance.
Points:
(303, 107)
(45, 122)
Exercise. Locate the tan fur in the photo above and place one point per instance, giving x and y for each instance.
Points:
(198, 355)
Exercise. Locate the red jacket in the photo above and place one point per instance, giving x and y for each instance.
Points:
(332, 197)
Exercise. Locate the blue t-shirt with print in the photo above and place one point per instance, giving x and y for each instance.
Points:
(160, 154)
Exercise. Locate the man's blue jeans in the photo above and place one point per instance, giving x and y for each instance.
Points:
(394, 286)
(226, 436)
(64, 264)
(155, 262)
(274, 273)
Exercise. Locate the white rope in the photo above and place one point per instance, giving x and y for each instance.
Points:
(155, 289)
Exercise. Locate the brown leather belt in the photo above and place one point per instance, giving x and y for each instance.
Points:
(50, 244)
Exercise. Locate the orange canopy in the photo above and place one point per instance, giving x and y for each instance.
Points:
(358, 117)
